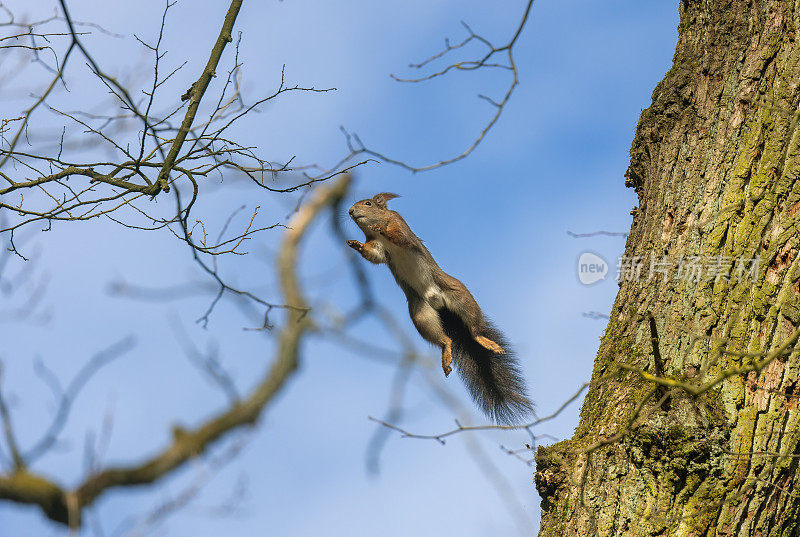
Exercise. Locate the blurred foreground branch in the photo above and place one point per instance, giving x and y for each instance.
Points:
(66, 505)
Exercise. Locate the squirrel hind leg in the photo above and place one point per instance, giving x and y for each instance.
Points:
(461, 302)
(488, 344)
(429, 325)
(447, 356)
(476, 326)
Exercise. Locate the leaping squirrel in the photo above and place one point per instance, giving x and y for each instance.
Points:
(443, 311)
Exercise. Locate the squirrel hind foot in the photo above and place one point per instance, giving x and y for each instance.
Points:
(447, 358)
(488, 344)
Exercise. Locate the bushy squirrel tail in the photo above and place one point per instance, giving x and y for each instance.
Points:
(493, 379)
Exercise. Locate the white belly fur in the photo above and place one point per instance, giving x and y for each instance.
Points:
(411, 269)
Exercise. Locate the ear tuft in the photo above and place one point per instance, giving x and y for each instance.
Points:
(383, 197)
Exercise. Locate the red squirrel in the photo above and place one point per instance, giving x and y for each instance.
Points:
(443, 311)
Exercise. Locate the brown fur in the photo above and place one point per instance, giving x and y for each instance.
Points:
(443, 310)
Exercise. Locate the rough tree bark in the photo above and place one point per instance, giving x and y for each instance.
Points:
(709, 445)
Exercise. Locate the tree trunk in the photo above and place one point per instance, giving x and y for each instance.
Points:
(690, 426)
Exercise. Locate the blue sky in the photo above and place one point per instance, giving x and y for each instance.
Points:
(498, 220)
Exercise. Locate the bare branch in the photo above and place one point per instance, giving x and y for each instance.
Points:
(65, 506)
(486, 61)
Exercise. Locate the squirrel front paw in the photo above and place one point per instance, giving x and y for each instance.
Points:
(380, 229)
(355, 245)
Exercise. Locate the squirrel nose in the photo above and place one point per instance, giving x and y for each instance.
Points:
(350, 211)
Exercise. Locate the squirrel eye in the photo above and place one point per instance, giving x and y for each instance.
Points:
(368, 203)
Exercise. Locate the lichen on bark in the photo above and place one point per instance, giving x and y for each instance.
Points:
(715, 163)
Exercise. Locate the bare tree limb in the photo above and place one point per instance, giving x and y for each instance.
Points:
(197, 91)
(65, 506)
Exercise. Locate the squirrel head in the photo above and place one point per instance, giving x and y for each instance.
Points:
(372, 210)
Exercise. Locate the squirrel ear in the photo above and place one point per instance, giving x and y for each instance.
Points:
(383, 197)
